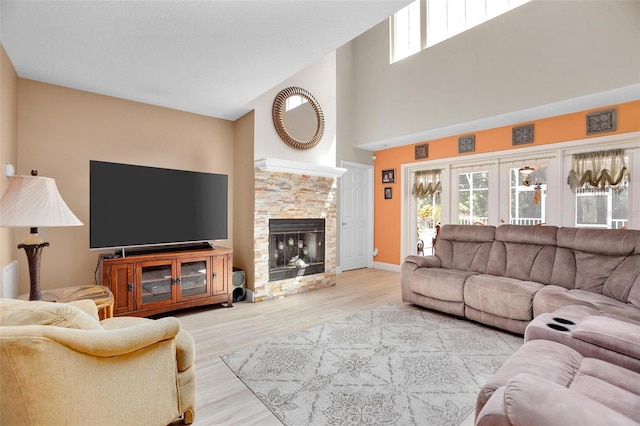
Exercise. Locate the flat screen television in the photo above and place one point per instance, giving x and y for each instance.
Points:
(139, 206)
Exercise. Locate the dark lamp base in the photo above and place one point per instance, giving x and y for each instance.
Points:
(34, 252)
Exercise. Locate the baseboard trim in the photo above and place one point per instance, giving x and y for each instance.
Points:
(386, 266)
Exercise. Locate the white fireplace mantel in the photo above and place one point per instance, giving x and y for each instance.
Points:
(296, 167)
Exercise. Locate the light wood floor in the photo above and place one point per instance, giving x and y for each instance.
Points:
(222, 398)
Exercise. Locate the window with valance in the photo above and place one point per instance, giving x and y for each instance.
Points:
(598, 171)
(426, 183)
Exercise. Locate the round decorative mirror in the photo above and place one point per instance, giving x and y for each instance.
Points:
(298, 118)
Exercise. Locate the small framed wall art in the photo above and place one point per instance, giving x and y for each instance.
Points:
(389, 176)
(387, 193)
(522, 134)
(466, 144)
(602, 121)
(422, 151)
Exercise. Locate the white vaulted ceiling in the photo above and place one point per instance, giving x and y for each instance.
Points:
(207, 57)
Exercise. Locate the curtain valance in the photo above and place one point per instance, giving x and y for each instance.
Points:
(426, 183)
(598, 171)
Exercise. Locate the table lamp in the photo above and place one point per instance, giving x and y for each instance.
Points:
(32, 202)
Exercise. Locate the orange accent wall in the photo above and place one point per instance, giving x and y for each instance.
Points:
(550, 130)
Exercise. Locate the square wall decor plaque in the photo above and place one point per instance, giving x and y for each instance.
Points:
(522, 134)
(422, 151)
(466, 144)
(601, 121)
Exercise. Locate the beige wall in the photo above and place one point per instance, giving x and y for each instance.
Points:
(244, 196)
(61, 129)
(8, 146)
(539, 53)
(345, 105)
(320, 80)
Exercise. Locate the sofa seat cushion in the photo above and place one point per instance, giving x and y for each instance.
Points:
(551, 297)
(438, 283)
(501, 296)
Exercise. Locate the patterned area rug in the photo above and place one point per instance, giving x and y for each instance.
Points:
(398, 365)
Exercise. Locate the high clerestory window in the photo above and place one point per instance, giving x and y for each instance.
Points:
(424, 23)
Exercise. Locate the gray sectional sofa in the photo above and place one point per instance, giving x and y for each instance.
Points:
(578, 366)
(505, 276)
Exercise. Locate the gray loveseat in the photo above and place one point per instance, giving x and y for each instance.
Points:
(505, 276)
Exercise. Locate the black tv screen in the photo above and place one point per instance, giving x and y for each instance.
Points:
(133, 206)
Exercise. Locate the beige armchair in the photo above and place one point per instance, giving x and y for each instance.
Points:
(60, 365)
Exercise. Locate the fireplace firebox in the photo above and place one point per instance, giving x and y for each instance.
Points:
(296, 247)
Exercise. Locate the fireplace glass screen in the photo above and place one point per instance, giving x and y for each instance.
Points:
(296, 247)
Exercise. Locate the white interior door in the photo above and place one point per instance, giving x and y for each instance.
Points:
(356, 216)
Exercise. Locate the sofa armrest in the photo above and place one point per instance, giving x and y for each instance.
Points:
(185, 346)
(424, 261)
(102, 343)
(528, 400)
(185, 350)
(610, 333)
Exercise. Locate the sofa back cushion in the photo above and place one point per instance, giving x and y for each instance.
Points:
(523, 252)
(23, 312)
(604, 261)
(465, 247)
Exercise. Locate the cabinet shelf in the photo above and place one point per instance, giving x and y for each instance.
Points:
(149, 287)
(152, 278)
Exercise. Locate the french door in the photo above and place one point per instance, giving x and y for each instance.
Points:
(524, 186)
(499, 192)
(474, 195)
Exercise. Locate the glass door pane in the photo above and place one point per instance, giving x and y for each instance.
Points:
(607, 209)
(527, 195)
(473, 198)
(193, 278)
(155, 282)
(429, 210)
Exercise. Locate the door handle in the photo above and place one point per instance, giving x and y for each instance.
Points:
(344, 223)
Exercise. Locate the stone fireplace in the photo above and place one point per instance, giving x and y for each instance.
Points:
(288, 190)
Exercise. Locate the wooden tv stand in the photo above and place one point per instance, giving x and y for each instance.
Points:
(157, 282)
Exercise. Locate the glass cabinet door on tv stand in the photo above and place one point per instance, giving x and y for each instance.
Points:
(156, 281)
(193, 278)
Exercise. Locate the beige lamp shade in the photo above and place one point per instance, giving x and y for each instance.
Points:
(34, 201)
